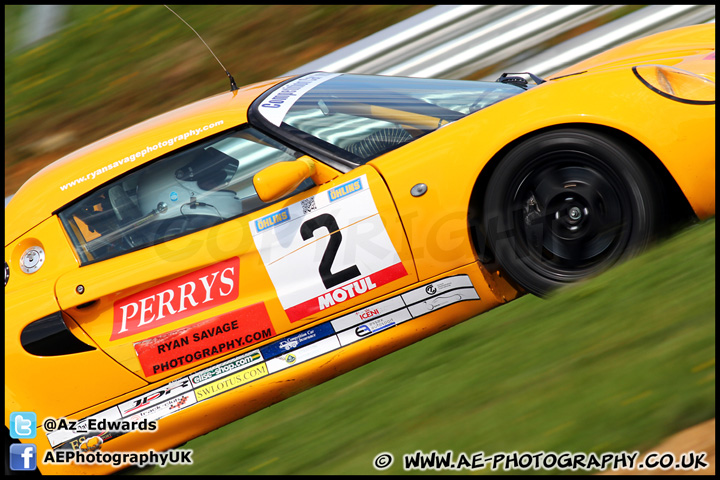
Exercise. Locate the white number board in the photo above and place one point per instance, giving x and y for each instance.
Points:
(326, 249)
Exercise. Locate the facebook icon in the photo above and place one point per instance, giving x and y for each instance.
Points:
(23, 457)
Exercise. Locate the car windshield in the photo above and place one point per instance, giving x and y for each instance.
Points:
(365, 116)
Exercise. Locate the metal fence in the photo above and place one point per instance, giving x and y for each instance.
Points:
(481, 41)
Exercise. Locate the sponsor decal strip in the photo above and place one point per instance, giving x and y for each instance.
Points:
(202, 340)
(297, 340)
(300, 355)
(276, 356)
(160, 402)
(224, 368)
(70, 439)
(319, 202)
(231, 381)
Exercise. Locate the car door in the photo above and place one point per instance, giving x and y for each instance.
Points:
(183, 264)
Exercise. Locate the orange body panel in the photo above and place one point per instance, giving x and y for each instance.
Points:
(240, 402)
(140, 312)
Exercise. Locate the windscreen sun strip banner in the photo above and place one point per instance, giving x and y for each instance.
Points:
(276, 105)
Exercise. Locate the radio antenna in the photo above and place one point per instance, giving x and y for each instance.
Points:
(233, 85)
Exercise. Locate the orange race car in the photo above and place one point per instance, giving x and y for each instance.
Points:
(204, 264)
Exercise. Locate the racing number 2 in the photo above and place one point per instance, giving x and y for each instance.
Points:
(329, 279)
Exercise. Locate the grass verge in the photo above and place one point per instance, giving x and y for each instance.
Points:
(615, 364)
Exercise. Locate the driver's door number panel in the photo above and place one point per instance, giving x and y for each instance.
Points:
(326, 249)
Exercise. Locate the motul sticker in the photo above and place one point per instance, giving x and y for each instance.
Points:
(341, 294)
(327, 250)
(206, 339)
(177, 299)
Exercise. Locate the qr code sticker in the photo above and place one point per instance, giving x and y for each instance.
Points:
(308, 205)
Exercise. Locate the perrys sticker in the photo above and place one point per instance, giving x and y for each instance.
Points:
(176, 299)
(203, 340)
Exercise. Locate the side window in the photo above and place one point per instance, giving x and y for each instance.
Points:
(189, 190)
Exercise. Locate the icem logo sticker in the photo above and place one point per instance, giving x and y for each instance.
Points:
(363, 331)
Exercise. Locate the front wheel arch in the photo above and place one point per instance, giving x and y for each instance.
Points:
(676, 210)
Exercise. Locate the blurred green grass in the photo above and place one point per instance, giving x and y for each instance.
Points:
(618, 363)
(615, 364)
(104, 47)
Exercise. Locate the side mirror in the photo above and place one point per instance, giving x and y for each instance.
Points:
(281, 178)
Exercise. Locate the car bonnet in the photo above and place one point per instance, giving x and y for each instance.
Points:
(688, 48)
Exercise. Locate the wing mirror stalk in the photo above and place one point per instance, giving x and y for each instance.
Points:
(279, 179)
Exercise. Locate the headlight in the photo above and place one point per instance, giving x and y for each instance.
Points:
(677, 84)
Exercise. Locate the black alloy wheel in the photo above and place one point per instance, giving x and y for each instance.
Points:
(566, 205)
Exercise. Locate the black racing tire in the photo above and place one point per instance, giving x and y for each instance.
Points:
(568, 204)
